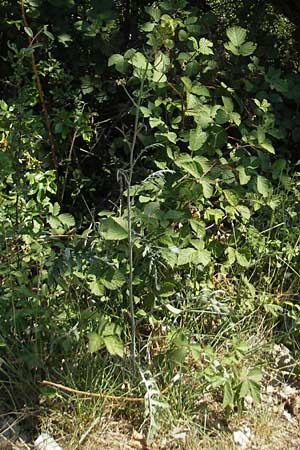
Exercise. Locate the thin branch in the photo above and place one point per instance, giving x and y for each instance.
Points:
(92, 394)
(41, 92)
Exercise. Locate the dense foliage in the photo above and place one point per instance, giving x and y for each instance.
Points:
(149, 191)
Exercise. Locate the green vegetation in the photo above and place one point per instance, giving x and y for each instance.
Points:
(149, 214)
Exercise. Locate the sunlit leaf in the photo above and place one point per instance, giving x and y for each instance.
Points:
(114, 229)
(114, 345)
(236, 35)
(95, 342)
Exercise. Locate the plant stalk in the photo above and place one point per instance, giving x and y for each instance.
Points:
(129, 219)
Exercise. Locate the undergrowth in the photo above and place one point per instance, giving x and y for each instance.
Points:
(166, 304)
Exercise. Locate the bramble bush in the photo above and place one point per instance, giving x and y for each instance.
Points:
(204, 234)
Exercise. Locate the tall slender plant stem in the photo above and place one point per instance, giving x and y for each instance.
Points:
(129, 218)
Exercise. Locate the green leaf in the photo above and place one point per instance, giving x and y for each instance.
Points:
(95, 342)
(112, 279)
(167, 289)
(263, 186)
(204, 162)
(200, 90)
(182, 35)
(160, 66)
(247, 48)
(236, 118)
(196, 351)
(185, 256)
(201, 257)
(170, 136)
(159, 77)
(139, 61)
(114, 229)
(67, 220)
(255, 391)
(231, 196)
(109, 328)
(189, 165)
(154, 12)
(148, 27)
(170, 256)
(244, 211)
(193, 103)
(250, 387)
(218, 136)
(177, 356)
(197, 139)
(243, 177)
(203, 116)
(230, 252)
(193, 256)
(161, 62)
(172, 309)
(255, 374)
(3, 105)
(205, 47)
(267, 145)
(56, 209)
(28, 31)
(48, 34)
(64, 39)
(119, 62)
(208, 188)
(55, 224)
(96, 288)
(228, 394)
(198, 227)
(156, 122)
(236, 35)
(230, 47)
(277, 168)
(221, 116)
(243, 257)
(114, 345)
(228, 104)
(152, 210)
(187, 83)
(194, 42)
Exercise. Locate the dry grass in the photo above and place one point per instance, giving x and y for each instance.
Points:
(270, 430)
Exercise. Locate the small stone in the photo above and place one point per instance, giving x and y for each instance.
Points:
(242, 437)
(46, 442)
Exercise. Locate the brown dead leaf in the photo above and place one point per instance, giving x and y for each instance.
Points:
(138, 442)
